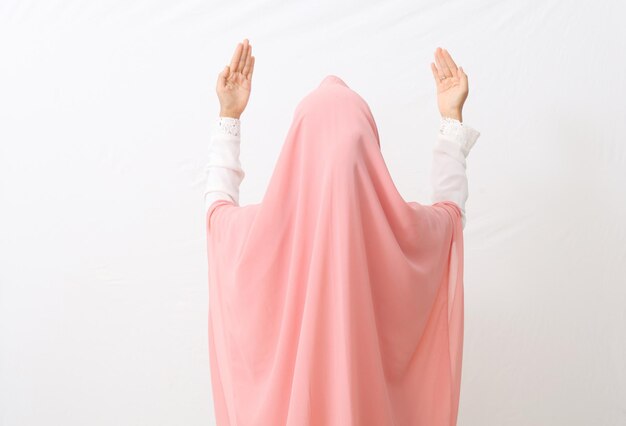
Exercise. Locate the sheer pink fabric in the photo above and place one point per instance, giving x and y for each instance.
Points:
(334, 301)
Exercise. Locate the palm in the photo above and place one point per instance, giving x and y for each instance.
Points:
(235, 81)
(235, 92)
(451, 81)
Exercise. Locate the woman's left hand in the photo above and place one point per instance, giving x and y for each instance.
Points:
(235, 80)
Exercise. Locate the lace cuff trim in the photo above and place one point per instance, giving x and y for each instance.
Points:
(229, 125)
(461, 133)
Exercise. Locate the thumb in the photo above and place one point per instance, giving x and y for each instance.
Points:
(463, 72)
(223, 76)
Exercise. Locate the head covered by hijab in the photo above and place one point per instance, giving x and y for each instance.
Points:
(334, 301)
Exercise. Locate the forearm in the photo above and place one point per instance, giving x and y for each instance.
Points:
(448, 174)
(223, 170)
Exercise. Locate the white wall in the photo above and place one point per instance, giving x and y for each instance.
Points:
(105, 110)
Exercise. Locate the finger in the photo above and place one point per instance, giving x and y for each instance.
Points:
(246, 67)
(221, 79)
(234, 62)
(441, 63)
(440, 72)
(244, 56)
(438, 61)
(451, 65)
(436, 75)
(444, 64)
(251, 68)
(462, 73)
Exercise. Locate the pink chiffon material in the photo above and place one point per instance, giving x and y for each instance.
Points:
(334, 301)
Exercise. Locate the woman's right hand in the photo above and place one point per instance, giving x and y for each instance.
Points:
(452, 87)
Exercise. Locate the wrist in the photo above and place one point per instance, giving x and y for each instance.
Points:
(232, 114)
(456, 114)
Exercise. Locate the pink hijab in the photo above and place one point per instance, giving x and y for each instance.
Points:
(334, 301)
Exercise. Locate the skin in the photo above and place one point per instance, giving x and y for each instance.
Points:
(452, 91)
(234, 83)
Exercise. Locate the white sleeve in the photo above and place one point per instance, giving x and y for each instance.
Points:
(448, 177)
(223, 170)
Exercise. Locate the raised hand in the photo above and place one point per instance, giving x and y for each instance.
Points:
(234, 83)
(452, 87)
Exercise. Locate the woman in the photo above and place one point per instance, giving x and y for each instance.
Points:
(334, 301)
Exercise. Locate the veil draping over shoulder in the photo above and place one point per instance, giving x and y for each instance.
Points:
(334, 301)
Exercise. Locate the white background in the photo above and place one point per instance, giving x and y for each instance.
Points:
(105, 114)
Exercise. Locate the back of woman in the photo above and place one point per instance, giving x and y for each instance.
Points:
(333, 301)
